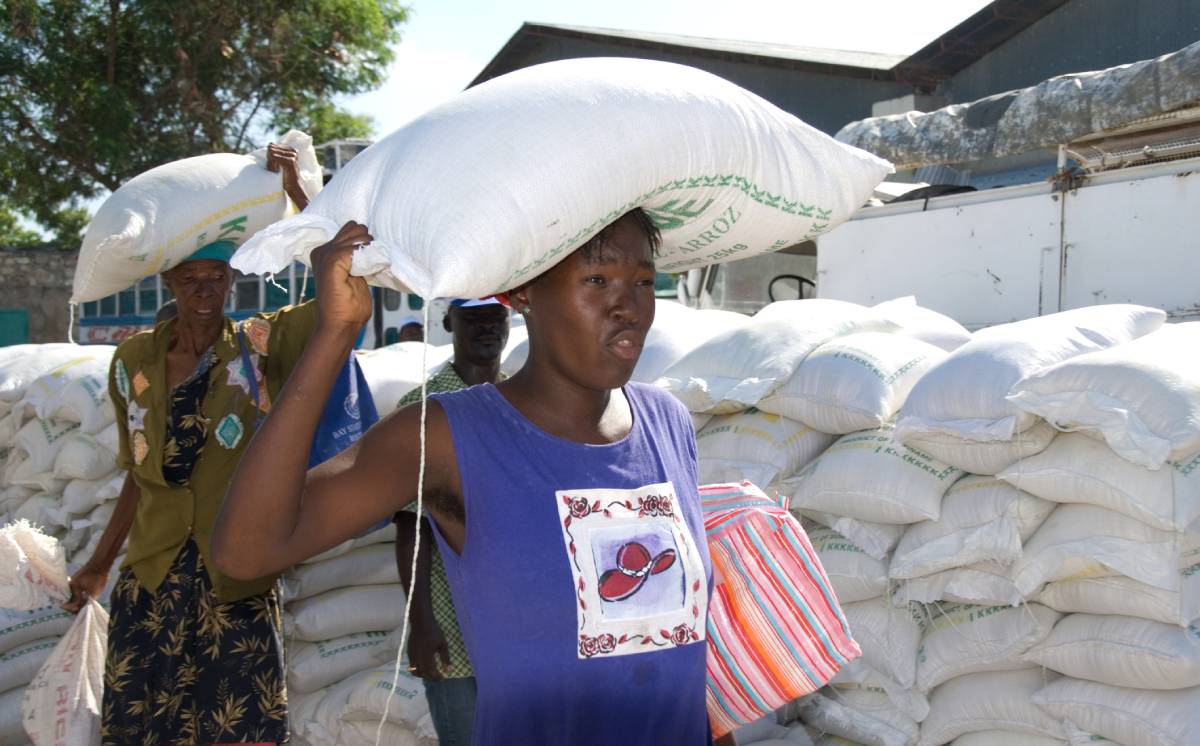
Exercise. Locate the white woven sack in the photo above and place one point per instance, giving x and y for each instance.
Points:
(871, 477)
(316, 665)
(19, 665)
(158, 218)
(738, 368)
(877, 540)
(755, 446)
(85, 400)
(1121, 595)
(964, 397)
(989, 701)
(81, 496)
(18, 627)
(1131, 717)
(1006, 738)
(41, 440)
(855, 382)
(924, 324)
(10, 424)
(44, 481)
(374, 564)
(405, 703)
(344, 611)
(394, 370)
(858, 675)
(1084, 541)
(81, 457)
(44, 396)
(21, 365)
(853, 574)
(959, 639)
(1121, 651)
(889, 638)
(725, 174)
(981, 584)
(982, 520)
(379, 535)
(831, 716)
(990, 456)
(33, 568)
(44, 510)
(1142, 397)
(876, 704)
(1079, 469)
(12, 730)
(676, 331)
(62, 703)
(319, 723)
(110, 438)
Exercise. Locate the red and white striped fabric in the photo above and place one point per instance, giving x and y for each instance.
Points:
(775, 629)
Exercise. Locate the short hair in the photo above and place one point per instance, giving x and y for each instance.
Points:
(642, 221)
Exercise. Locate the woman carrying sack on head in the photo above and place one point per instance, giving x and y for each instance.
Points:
(194, 656)
(563, 500)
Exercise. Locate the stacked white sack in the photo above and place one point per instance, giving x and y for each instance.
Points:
(959, 411)
(341, 613)
(625, 133)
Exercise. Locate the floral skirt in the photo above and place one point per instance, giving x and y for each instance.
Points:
(184, 668)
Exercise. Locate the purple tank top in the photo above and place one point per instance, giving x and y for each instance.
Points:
(582, 590)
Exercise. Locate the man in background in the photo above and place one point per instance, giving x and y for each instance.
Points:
(436, 652)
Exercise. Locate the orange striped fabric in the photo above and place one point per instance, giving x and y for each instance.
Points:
(775, 629)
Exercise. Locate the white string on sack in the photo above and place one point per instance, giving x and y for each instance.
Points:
(71, 306)
(412, 583)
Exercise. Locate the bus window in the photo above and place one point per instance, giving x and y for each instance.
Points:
(127, 302)
(108, 306)
(391, 300)
(245, 293)
(148, 295)
(415, 302)
(391, 336)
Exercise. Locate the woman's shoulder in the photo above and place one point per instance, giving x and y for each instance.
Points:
(658, 402)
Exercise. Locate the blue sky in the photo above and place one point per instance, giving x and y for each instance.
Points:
(447, 42)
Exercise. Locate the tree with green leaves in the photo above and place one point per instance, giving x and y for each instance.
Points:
(94, 92)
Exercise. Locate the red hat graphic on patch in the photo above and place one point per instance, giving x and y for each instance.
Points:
(634, 567)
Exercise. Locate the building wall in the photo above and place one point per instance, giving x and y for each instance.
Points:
(1081, 35)
(825, 101)
(39, 281)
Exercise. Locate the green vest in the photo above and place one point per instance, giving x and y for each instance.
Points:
(167, 515)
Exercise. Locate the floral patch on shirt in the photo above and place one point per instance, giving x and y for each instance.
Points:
(258, 332)
(122, 379)
(639, 577)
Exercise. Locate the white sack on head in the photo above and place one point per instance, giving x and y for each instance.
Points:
(723, 173)
(871, 477)
(1142, 397)
(982, 520)
(855, 382)
(736, 369)
(1131, 717)
(1080, 469)
(964, 396)
(755, 446)
(160, 217)
(924, 324)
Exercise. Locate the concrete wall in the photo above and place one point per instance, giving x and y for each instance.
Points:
(39, 281)
(1080, 36)
(825, 101)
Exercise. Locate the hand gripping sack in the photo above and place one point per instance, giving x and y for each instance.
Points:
(724, 174)
(775, 629)
(158, 218)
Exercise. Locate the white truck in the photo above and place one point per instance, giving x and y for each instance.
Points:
(1115, 217)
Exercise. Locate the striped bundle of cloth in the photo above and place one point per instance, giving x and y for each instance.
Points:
(775, 629)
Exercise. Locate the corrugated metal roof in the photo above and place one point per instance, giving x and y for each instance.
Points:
(848, 58)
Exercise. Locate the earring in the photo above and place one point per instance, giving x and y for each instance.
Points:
(526, 310)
